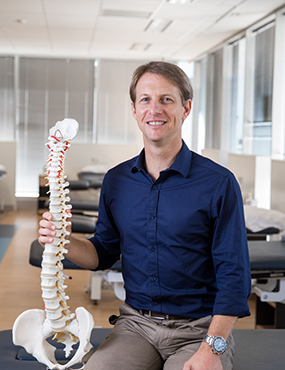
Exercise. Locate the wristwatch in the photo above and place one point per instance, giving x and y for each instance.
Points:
(218, 344)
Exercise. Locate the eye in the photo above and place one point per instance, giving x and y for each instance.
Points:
(167, 99)
(144, 100)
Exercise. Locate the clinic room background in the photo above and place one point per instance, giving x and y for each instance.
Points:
(75, 59)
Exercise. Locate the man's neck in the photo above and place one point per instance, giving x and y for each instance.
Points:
(159, 158)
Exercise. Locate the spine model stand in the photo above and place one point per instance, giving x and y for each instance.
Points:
(33, 327)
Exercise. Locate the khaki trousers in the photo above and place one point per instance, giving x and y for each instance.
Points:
(141, 343)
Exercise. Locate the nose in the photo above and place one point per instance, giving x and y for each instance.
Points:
(155, 107)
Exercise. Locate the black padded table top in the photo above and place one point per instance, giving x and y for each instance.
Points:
(83, 224)
(78, 185)
(259, 349)
(35, 258)
(9, 353)
(267, 256)
(95, 179)
(85, 204)
(254, 350)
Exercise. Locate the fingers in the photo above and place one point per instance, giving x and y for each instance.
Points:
(47, 216)
(46, 236)
(47, 229)
(43, 240)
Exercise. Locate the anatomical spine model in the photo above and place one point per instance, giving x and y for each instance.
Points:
(32, 327)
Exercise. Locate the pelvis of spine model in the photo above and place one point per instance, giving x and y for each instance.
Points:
(33, 327)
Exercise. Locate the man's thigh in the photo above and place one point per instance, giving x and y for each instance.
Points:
(126, 351)
(177, 360)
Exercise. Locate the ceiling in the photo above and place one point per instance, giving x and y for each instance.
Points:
(122, 29)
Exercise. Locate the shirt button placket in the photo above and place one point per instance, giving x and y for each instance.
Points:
(152, 241)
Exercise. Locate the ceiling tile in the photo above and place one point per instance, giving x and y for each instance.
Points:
(79, 27)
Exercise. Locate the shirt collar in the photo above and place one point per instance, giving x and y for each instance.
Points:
(181, 164)
(139, 163)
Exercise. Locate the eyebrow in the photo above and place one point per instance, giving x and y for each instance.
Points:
(143, 95)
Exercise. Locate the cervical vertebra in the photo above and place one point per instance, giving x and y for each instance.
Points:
(32, 327)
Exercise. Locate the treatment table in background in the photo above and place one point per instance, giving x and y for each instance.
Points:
(254, 350)
(267, 262)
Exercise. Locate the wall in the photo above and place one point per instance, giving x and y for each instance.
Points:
(253, 174)
(278, 185)
(78, 157)
(7, 183)
(114, 119)
(216, 155)
(105, 155)
(243, 167)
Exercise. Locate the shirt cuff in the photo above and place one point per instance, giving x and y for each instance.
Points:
(231, 304)
(106, 260)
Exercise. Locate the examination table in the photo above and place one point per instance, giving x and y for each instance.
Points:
(267, 262)
(81, 205)
(254, 350)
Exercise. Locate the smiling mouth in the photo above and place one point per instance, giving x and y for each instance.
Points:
(156, 123)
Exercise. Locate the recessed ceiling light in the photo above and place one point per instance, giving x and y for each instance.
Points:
(140, 46)
(124, 13)
(158, 24)
(21, 21)
(181, 2)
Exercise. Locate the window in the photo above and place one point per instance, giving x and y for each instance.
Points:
(7, 105)
(199, 105)
(188, 68)
(237, 96)
(258, 123)
(115, 122)
(49, 91)
(214, 99)
(278, 106)
(263, 76)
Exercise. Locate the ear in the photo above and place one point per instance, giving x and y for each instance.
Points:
(187, 109)
(133, 110)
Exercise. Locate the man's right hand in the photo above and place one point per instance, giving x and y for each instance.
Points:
(47, 229)
(80, 251)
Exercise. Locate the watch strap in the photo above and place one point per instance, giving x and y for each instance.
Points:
(210, 339)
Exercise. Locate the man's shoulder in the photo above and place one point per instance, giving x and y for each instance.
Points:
(210, 165)
(122, 167)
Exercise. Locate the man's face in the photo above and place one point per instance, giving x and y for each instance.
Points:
(158, 109)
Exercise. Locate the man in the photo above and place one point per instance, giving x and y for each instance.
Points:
(177, 219)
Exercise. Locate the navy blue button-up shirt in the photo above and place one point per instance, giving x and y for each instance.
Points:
(182, 237)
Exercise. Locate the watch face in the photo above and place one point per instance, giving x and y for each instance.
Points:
(219, 345)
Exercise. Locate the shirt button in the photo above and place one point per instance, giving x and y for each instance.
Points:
(151, 217)
(153, 279)
(152, 249)
(154, 187)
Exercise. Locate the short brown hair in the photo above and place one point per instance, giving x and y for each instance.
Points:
(170, 71)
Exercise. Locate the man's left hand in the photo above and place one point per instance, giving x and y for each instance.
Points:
(204, 359)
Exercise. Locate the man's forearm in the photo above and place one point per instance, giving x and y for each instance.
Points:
(82, 252)
(204, 358)
(221, 326)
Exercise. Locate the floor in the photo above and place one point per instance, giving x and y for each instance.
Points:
(20, 288)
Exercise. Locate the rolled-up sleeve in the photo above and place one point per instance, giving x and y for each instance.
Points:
(230, 251)
(106, 239)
